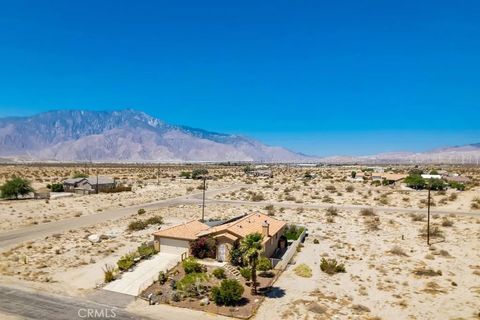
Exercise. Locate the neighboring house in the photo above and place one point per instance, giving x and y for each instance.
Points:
(376, 176)
(431, 176)
(393, 178)
(88, 185)
(177, 239)
(458, 179)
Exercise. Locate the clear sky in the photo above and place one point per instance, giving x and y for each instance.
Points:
(319, 77)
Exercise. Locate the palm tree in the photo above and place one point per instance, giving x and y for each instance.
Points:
(252, 247)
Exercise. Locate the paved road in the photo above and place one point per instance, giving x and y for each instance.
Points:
(42, 306)
(11, 238)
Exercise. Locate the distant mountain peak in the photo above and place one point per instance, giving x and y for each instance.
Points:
(124, 136)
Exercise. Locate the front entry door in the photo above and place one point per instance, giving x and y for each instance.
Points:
(221, 252)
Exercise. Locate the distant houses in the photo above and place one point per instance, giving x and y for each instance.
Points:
(88, 185)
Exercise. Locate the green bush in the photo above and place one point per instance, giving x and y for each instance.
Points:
(137, 225)
(229, 293)
(236, 255)
(198, 173)
(77, 174)
(192, 284)
(191, 265)
(162, 277)
(154, 220)
(415, 181)
(264, 264)
(292, 232)
(331, 266)
(185, 174)
(125, 262)
(141, 211)
(246, 273)
(15, 187)
(56, 187)
(219, 273)
(146, 250)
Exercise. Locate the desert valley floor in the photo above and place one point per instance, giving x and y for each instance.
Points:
(376, 231)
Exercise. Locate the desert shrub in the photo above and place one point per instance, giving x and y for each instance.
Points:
(332, 211)
(154, 220)
(125, 262)
(475, 203)
(229, 293)
(331, 188)
(109, 273)
(452, 197)
(264, 264)
(162, 277)
(349, 188)
(302, 270)
(137, 225)
(219, 273)
(435, 232)
(457, 185)
(199, 173)
(257, 196)
(141, 211)
(117, 189)
(427, 272)
(191, 265)
(372, 223)
(331, 266)
(203, 247)
(77, 174)
(292, 232)
(56, 187)
(270, 210)
(367, 212)
(398, 251)
(290, 198)
(315, 241)
(15, 187)
(246, 273)
(447, 222)
(145, 250)
(185, 174)
(417, 217)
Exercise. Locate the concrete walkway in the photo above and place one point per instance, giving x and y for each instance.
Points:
(143, 275)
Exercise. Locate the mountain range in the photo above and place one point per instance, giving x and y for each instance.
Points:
(133, 136)
(125, 136)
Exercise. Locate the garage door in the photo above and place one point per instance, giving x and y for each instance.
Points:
(174, 246)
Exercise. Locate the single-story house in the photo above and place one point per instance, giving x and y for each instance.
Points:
(431, 176)
(177, 239)
(458, 179)
(393, 178)
(88, 185)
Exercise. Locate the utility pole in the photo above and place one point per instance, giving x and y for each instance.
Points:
(428, 215)
(97, 180)
(203, 202)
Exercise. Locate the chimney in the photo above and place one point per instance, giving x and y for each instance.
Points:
(265, 227)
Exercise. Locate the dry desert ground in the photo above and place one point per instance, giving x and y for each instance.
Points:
(376, 232)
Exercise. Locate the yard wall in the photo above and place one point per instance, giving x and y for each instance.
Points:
(292, 249)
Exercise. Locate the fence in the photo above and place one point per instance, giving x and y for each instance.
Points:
(288, 255)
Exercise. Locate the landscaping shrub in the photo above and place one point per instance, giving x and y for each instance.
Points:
(125, 262)
(415, 181)
(185, 174)
(219, 273)
(264, 264)
(109, 273)
(191, 265)
(302, 270)
(203, 247)
(162, 277)
(146, 250)
(331, 266)
(192, 284)
(246, 273)
(229, 293)
(236, 255)
(292, 232)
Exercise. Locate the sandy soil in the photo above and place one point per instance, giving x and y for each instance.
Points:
(413, 281)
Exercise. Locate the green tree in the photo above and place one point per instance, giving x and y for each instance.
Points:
(354, 174)
(15, 187)
(436, 184)
(415, 181)
(252, 247)
(198, 173)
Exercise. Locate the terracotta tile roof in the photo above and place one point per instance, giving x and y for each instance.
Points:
(249, 224)
(393, 176)
(187, 230)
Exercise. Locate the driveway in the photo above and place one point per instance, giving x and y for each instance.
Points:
(143, 275)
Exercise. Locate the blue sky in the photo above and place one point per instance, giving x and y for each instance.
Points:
(319, 77)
